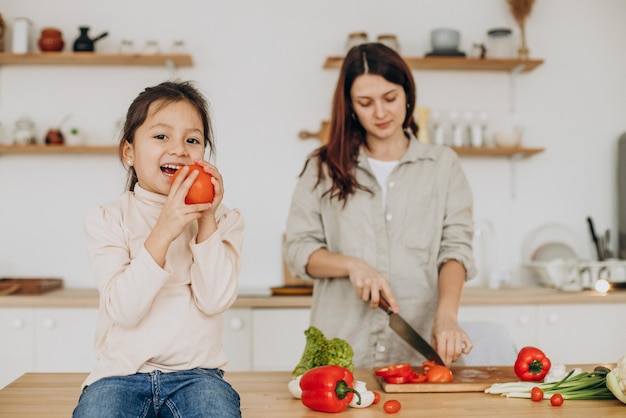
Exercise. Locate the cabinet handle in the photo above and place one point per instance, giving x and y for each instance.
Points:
(48, 322)
(523, 320)
(17, 323)
(553, 319)
(236, 323)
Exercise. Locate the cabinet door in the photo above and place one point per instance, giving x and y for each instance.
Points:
(582, 333)
(278, 337)
(238, 338)
(64, 339)
(16, 343)
(519, 320)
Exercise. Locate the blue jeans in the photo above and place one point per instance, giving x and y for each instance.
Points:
(185, 394)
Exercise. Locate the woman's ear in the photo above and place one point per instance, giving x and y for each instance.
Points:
(128, 153)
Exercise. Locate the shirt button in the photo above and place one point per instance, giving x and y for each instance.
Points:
(380, 348)
(388, 217)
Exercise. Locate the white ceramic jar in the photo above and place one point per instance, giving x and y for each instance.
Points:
(22, 28)
(500, 43)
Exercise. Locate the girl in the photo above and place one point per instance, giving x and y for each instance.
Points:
(165, 271)
(377, 214)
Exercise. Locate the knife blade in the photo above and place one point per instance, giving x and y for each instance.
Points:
(408, 334)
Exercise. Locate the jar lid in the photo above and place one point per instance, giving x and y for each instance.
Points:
(499, 32)
(387, 36)
(357, 35)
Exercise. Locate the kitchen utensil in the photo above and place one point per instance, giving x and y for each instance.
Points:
(85, 44)
(51, 40)
(562, 274)
(444, 39)
(466, 379)
(550, 241)
(30, 286)
(408, 334)
(594, 237)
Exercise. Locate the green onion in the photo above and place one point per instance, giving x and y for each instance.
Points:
(583, 386)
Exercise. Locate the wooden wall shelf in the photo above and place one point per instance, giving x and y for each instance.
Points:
(497, 151)
(57, 149)
(457, 64)
(95, 59)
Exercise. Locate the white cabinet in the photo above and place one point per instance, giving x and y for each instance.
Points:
(582, 333)
(238, 338)
(567, 333)
(519, 320)
(46, 340)
(16, 340)
(278, 337)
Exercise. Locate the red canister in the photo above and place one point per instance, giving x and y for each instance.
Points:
(51, 40)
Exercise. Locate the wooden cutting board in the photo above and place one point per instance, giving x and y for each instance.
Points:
(28, 286)
(466, 379)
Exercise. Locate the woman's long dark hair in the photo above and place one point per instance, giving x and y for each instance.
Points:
(164, 94)
(347, 135)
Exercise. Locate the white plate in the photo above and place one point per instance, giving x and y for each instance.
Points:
(551, 241)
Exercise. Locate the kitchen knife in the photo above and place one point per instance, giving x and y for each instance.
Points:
(408, 334)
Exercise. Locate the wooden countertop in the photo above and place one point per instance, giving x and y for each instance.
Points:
(265, 395)
(88, 298)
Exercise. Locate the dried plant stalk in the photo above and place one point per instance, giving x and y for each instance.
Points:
(520, 9)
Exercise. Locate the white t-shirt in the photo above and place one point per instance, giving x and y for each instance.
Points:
(381, 170)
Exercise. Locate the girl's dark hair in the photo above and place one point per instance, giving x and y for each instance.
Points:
(165, 93)
(346, 133)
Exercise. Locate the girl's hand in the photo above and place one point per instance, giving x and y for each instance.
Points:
(207, 223)
(370, 285)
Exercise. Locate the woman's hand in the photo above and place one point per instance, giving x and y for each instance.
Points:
(449, 340)
(369, 284)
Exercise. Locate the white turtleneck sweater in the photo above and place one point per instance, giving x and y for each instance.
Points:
(153, 318)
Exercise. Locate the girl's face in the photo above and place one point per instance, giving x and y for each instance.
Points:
(379, 105)
(171, 136)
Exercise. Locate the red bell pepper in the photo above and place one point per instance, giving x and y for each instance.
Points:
(328, 388)
(531, 364)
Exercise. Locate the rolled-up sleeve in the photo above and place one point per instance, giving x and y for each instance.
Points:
(305, 230)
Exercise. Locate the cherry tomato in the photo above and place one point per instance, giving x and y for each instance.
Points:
(439, 374)
(376, 398)
(556, 399)
(536, 394)
(392, 406)
(399, 369)
(201, 191)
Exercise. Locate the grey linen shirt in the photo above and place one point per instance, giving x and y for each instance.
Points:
(426, 221)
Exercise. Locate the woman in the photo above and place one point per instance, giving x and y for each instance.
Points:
(377, 214)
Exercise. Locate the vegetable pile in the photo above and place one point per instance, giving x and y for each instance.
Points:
(401, 373)
(320, 351)
(581, 386)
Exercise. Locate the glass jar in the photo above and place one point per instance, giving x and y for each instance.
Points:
(178, 47)
(356, 38)
(127, 47)
(24, 132)
(152, 47)
(390, 41)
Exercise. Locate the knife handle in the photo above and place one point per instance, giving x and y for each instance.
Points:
(384, 305)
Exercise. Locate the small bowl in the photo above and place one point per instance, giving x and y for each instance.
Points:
(444, 39)
(507, 139)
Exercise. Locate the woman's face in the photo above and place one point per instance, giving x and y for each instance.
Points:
(170, 137)
(379, 105)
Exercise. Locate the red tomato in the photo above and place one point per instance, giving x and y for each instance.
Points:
(376, 398)
(392, 406)
(556, 399)
(536, 394)
(428, 364)
(399, 369)
(439, 374)
(201, 191)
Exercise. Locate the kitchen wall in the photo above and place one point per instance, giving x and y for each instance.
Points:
(260, 64)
